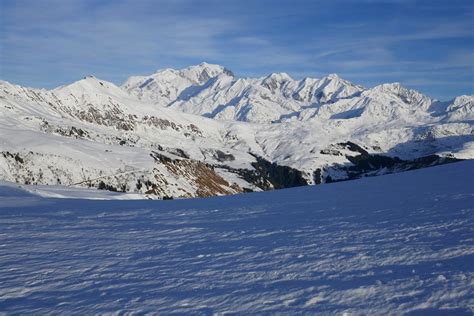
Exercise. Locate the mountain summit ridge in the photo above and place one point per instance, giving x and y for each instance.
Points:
(213, 91)
(201, 131)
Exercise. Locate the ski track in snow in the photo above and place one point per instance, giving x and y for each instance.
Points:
(400, 243)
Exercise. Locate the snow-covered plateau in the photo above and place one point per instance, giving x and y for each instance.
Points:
(394, 244)
(200, 131)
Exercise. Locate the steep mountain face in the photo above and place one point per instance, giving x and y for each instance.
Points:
(168, 85)
(213, 91)
(461, 108)
(200, 131)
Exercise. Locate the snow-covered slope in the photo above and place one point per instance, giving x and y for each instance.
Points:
(395, 244)
(264, 100)
(168, 85)
(201, 131)
(92, 131)
(213, 91)
(461, 108)
(64, 192)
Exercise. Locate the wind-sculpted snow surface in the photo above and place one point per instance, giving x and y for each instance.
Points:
(400, 243)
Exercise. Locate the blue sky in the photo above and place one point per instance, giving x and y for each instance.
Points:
(426, 45)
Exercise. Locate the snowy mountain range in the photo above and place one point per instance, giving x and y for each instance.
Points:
(200, 131)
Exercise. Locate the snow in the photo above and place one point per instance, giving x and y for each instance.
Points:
(400, 243)
(66, 192)
(202, 109)
(166, 85)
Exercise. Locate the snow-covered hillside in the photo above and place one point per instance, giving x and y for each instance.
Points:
(200, 131)
(393, 244)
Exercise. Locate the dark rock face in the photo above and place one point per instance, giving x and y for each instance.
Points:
(279, 176)
(222, 156)
(111, 117)
(269, 175)
(354, 147)
(178, 152)
(16, 156)
(318, 176)
(198, 174)
(103, 186)
(395, 164)
(362, 163)
(372, 165)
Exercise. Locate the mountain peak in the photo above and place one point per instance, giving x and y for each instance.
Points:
(205, 66)
(336, 78)
(393, 87)
(333, 76)
(279, 76)
(212, 70)
(204, 71)
(408, 96)
(88, 80)
(275, 81)
(91, 85)
(209, 65)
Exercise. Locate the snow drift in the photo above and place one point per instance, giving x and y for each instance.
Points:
(393, 244)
